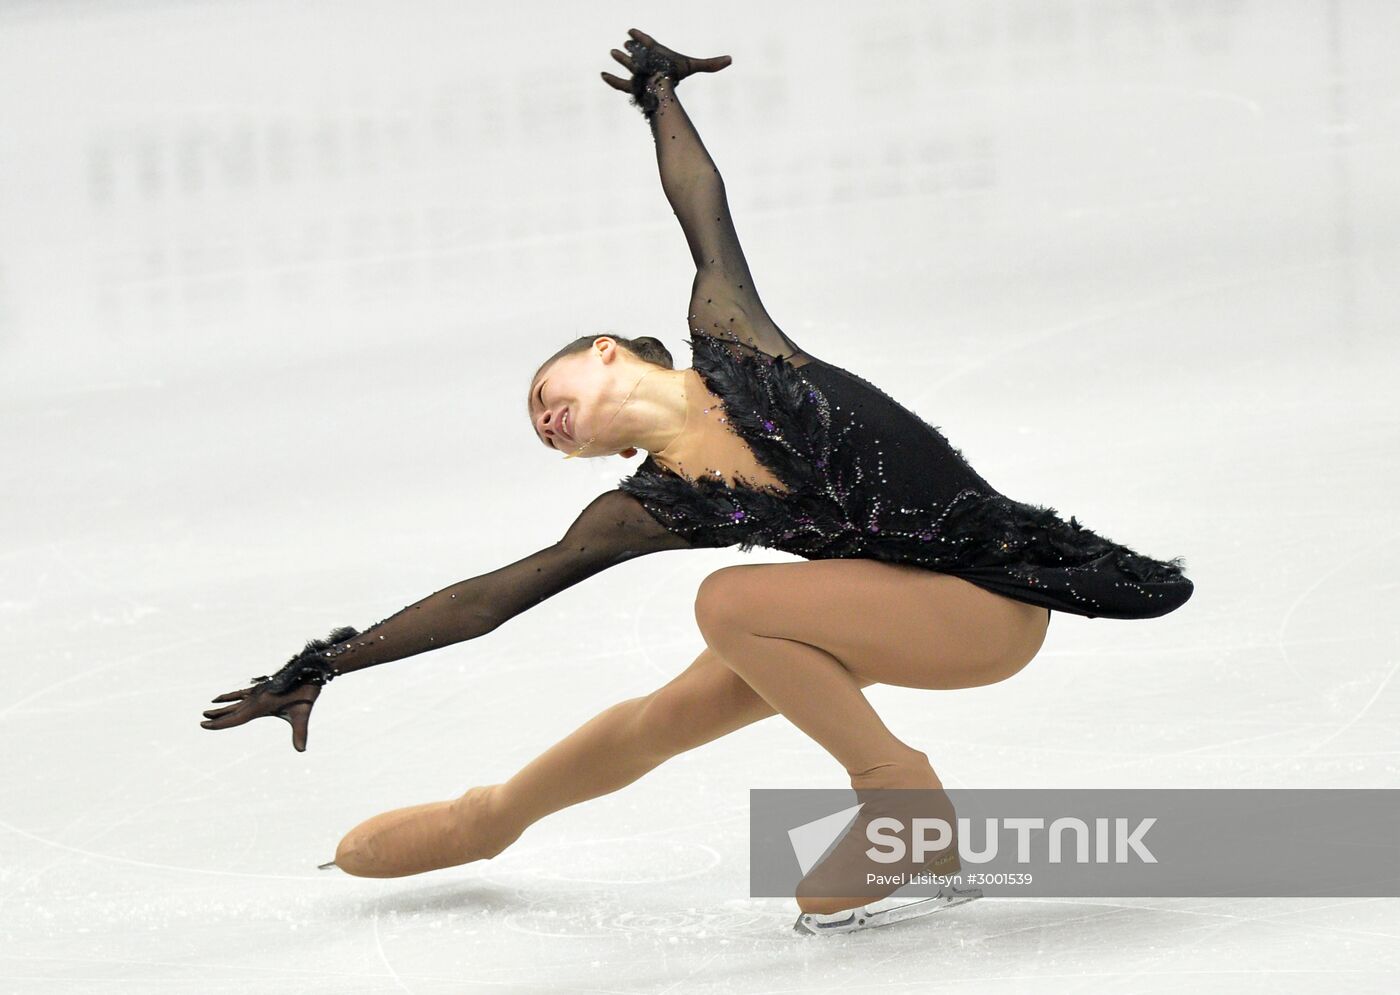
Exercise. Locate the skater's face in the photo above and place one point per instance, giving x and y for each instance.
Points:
(574, 401)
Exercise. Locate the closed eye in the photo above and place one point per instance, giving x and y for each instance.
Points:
(539, 396)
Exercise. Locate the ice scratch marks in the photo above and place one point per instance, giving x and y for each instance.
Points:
(1360, 712)
(384, 956)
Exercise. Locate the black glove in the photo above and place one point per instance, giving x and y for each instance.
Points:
(287, 694)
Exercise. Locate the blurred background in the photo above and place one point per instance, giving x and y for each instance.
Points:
(273, 282)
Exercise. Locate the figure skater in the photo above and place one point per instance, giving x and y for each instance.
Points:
(914, 571)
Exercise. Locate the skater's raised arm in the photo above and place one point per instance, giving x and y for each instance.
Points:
(614, 527)
(724, 301)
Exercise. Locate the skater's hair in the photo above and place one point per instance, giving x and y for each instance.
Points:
(644, 347)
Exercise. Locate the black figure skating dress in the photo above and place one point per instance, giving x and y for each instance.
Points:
(859, 475)
(866, 477)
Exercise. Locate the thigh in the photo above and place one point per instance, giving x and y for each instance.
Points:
(888, 623)
(703, 702)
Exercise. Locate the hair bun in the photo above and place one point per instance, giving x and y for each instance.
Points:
(651, 349)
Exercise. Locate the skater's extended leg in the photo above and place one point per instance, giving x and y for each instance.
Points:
(704, 702)
(612, 749)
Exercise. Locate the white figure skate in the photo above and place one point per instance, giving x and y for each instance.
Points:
(882, 913)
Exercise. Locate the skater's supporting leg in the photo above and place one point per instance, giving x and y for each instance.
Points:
(805, 636)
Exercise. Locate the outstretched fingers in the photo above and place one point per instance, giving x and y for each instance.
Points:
(227, 718)
(615, 83)
(222, 718)
(690, 65)
(233, 695)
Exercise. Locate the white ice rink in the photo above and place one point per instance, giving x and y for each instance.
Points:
(274, 278)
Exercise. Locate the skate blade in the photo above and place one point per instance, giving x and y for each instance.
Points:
(871, 916)
(326, 866)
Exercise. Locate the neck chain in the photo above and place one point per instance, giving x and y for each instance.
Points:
(580, 449)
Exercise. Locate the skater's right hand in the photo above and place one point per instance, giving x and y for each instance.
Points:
(256, 701)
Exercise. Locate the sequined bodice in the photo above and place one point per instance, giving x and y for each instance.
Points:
(709, 446)
(816, 460)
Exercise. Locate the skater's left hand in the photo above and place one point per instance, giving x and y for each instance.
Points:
(685, 65)
(256, 701)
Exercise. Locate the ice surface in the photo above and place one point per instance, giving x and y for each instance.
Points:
(273, 279)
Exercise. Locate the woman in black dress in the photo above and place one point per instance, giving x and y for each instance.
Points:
(916, 572)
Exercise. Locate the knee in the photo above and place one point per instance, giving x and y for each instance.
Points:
(723, 601)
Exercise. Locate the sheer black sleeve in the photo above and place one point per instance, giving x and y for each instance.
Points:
(724, 302)
(614, 527)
